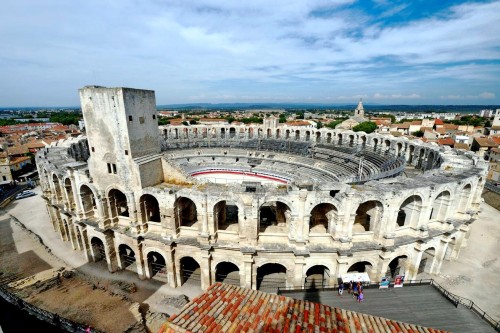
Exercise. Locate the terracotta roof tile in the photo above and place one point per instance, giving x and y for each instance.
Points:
(486, 142)
(461, 146)
(446, 142)
(438, 122)
(226, 308)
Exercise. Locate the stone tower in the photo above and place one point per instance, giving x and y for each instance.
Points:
(496, 120)
(123, 135)
(359, 111)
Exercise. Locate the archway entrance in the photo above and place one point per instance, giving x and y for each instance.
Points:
(317, 277)
(427, 260)
(98, 251)
(157, 266)
(150, 210)
(367, 215)
(185, 213)
(409, 212)
(397, 266)
(118, 204)
(226, 216)
(227, 273)
(190, 271)
(274, 217)
(361, 267)
(127, 257)
(321, 217)
(270, 277)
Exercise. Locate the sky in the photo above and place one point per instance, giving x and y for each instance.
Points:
(269, 51)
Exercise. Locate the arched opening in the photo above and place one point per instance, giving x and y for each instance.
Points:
(250, 133)
(176, 135)
(278, 134)
(308, 136)
(270, 277)
(88, 202)
(329, 138)
(222, 133)
(127, 257)
(465, 195)
(150, 210)
(399, 147)
(287, 134)
(274, 217)
(297, 135)
(213, 133)
(409, 212)
(351, 139)
(367, 216)
(411, 152)
(118, 204)
(317, 277)
(375, 144)
(440, 206)
(232, 132)
(427, 260)
(318, 136)
(204, 133)
(269, 133)
(98, 251)
(259, 132)
(430, 160)
(185, 213)
(363, 140)
(397, 266)
(195, 132)
(339, 139)
(323, 217)
(226, 216)
(156, 265)
(228, 273)
(190, 271)
(387, 144)
(69, 192)
(360, 267)
(57, 187)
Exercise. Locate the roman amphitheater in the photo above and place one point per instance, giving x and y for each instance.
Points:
(258, 206)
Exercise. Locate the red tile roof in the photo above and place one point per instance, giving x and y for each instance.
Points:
(226, 308)
(446, 142)
(486, 142)
(438, 122)
(495, 139)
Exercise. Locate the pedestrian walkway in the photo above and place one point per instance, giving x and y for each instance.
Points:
(420, 305)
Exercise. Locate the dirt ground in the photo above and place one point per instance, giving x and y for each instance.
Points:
(113, 302)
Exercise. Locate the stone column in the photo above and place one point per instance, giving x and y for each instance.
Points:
(439, 256)
(301, 223)
(139, 260)
(342, 266)
(170, 265)
(247, 278)
(206, 258)
(111, 257)
(168, 223)
(382, 265)
(415, 262)
(86, 244)
(298, 278)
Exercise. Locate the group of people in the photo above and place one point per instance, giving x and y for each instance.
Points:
(356, 289)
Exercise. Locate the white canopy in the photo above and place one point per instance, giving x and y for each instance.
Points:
(355, 277)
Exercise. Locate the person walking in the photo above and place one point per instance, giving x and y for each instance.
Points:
(356, 291)
(360, 297)
(341, 289)
(350, 288)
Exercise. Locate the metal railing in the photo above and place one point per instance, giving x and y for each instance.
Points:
(453, 298)
(492, 187)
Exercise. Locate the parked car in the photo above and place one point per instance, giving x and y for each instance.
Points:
(25, 194)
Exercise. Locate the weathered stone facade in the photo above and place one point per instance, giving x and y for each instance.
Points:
(126, 194)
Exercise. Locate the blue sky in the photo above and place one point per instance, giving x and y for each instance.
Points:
(318, 51)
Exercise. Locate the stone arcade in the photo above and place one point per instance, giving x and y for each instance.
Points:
(128, 193)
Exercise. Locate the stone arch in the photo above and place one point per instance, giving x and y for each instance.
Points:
(397, 266)
(328, 137)
(430, 160)
(127, 256)
(68, 187)
(118, 204)
(150, 209)
(465, 196)
(269, 133)
(427, 260)
(274, 216)
(409, 211)
(186, 213)
(88, 199)
(363, 139)
(57, 187)
(351, 139)
(226, 216)
(287, 134)
(97, 249)
(362, 266)
(156, 264)
(387, 143)
(323, 218)
(440, 206)
(232, 132)
(368, 215)
(271, 276)
(190, 271)
(278, 133)
(308, 136)
(399, 148)
(317, 276)
(228, 273)
(297, 135)
(318, 136)
(339, 138)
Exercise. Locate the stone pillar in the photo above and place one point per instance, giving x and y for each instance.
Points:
(86, 244)
(342, 267)
(382, 265)
(111, 257)
(439, 256)
(139, 260)
(169, 230)
(301, 224)
(132, 207)
(459, 240)
(415, 262)
(206, 280)
(298, 278)
(247, 280)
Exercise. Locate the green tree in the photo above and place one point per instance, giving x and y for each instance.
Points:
(282, 118)
(366, 126)
(334, 123)
(388, 115)
(418, 133)
(163, 121)
(193, 122)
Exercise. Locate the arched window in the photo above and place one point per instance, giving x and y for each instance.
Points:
(322, 216)
(150, 210)
(274, 217)
(185, 212)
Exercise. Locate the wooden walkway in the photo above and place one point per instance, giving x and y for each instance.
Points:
(420, 305)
